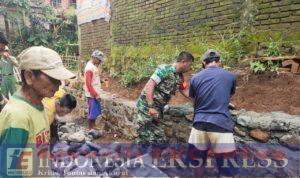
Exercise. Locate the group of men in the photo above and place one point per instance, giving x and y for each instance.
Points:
(210, 91)
(23, 120)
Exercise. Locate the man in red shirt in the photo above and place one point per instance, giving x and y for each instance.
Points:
(92, 86)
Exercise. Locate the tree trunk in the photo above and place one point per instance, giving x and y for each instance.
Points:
(6, 27)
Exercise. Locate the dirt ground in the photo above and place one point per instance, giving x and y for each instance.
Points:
(261, 93)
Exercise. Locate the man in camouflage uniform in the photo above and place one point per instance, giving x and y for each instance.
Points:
(156, 94)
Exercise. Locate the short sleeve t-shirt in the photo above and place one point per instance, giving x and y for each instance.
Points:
(211, 89)
(22, 125)
(167, 81)
(96, 82)
(49, 104)
(22, 122)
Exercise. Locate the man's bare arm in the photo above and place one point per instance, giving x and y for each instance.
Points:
(9, 58)
(185, 93)
(149, 90)
(13, 61)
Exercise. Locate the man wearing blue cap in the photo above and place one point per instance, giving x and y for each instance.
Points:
(212, 130)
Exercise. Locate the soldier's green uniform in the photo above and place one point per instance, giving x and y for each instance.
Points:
(167, 80)
(9, 82)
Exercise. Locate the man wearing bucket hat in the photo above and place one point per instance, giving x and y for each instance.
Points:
(211, 90)
(92, 86)
(23, 121)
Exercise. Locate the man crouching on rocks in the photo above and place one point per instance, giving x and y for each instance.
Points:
(156, 94)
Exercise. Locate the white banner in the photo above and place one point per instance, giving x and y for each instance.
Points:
(89, 10)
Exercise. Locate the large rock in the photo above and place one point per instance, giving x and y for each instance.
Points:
(239, 132)
(73, 148)
(76, 137)
(84, 149)
(278, 121)
(64, 137)
(93, 146)
(148, 169)
(189, 117)
(95, 133)
(60, 149)
(244, 120)
(179, 110)
(65, 129)
(260, 135)
(292, 141)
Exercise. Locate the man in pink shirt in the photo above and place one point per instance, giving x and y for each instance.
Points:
(92, 87)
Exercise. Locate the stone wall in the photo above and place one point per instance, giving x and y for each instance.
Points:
(94, 35)
(274, 127)
(279, 130)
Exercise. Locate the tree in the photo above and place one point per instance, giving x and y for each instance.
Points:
(13, 10)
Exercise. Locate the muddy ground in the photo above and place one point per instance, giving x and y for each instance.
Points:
(261, 93)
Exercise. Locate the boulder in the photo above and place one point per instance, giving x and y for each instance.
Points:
(76, 137)
(239, 132)
(84, 149)
(95, 133)
(65, 129)
(260, 135)
(244, 120)
(73, 148)
(278, 121)
(292, 141)
(64, 137)
(94, 147)
(189, 117)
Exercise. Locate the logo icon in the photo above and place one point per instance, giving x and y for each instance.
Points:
(19, 162)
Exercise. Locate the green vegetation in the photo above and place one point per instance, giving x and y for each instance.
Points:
(273, 49)
(135, 63)
(46, 27)
(259, 67)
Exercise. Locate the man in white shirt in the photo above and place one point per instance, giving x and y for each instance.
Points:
(92, 86)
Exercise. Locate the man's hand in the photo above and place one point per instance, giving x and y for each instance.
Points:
(231, 106)
(153, 112)
(137, 124)
(98, 99)
(5, 54)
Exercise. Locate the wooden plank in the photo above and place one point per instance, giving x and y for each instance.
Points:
(293, 63)
(279, 58)
(295, 67)
(284, 69)
(287, 63)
